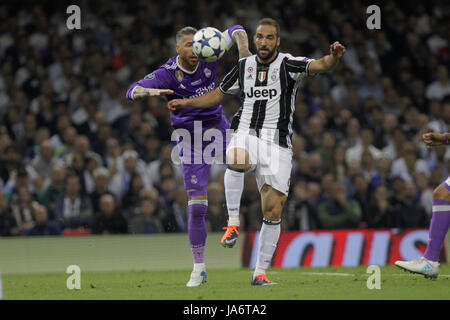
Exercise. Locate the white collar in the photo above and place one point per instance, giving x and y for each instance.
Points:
(184, 70)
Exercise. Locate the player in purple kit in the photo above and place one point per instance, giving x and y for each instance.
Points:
(428, 265)
(185, 76)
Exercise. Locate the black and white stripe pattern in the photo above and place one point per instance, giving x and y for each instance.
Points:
(267, 94)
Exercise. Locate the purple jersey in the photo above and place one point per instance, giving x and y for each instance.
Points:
(185, 84)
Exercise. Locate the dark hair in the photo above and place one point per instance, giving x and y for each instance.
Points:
(271, 22)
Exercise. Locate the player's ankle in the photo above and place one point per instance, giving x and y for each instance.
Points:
(233, 221)
(199, 267)
(259, 271)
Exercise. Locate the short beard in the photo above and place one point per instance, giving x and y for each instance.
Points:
(269, 55)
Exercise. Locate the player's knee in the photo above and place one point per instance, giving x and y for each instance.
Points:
(194, 195)
(238, 159)
(441, 193)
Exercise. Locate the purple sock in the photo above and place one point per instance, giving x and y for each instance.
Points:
(197, 229)
(440, 222)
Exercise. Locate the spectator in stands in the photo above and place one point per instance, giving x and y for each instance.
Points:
(339, 212)
(108, 220)
(101, 181)
(354, 153)
(44, 161)
(8, 224)
(380, 213)
(120, 182)
(42, 226)
(22, 209)
(74, 208)
(146, 220)
(407, 209)
(301, 209)
(54, 189)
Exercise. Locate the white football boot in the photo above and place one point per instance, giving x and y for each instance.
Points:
(198, 277)
(420, 265)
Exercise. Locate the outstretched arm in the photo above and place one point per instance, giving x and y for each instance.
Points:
(153, 84)
(207, 100)
(236, 34)
(328, 62)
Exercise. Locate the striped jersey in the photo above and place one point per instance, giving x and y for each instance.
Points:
(267, 94)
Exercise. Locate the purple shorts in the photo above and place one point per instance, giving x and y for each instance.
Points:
(196, 169)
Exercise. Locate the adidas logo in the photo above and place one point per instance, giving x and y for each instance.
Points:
(182, 87)
(426, 268)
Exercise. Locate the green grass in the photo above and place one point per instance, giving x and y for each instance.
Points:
(294, 284)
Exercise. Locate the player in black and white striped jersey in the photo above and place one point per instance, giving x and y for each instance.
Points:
(268, 83)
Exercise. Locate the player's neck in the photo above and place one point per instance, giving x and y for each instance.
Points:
(268, 60)
(183, 64)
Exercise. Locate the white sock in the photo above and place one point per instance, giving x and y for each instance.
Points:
(267, 243)
(199, 267)
(234, 184)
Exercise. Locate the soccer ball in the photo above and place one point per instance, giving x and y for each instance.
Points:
(209, 44)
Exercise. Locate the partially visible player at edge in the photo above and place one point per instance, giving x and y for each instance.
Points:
(184, 76)
(268, 83)
(428, 265)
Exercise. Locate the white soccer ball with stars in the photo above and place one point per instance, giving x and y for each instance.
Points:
(209, 44)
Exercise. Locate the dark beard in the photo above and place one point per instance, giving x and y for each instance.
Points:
(269, 55)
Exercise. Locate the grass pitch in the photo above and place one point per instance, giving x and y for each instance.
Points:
(294, 284)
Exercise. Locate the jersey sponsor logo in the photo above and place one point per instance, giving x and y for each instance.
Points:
(262, 76)
(150, 76)
(261, 92)
(207, 72)
(179, 74)
(196, 83)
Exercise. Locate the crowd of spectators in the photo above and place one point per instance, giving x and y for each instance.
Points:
(76, 154)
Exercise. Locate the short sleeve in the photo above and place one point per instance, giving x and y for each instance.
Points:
(298, 67)
(230, 83)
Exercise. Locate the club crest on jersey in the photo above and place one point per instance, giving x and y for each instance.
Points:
(194, 179)
(179, 74)
(273, 76)
(262, 76)
(207, 72)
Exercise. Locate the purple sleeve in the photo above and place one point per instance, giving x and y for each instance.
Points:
(156, 80)
(229, 34)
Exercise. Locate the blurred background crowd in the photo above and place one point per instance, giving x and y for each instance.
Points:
(75, 154)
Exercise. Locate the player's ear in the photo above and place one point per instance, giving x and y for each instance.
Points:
(177, 48)
(278, 41)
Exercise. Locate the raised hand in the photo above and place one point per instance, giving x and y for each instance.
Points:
(337, 50)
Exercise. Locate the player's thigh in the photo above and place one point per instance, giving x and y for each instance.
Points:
(272, 202)
(195, 178)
